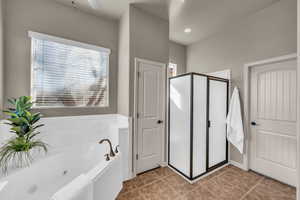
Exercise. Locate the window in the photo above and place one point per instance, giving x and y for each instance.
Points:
(66, 73)
(172, 69)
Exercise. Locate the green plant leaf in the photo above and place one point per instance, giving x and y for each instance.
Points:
(22, 122)
(38, 126)
(33, 135)
(12, 101)
(10, 113)
(11, 124)
(16, 129)
(16, 121)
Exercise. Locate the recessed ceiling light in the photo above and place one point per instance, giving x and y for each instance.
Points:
(187, 30)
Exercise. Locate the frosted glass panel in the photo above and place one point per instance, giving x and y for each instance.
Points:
(180, 94)
(199, 130)
(217, 117)
(189, 135)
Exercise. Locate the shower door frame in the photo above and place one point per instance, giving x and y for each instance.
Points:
(208, 169)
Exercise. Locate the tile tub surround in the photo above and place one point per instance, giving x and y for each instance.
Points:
(71, 131)
(228, 183)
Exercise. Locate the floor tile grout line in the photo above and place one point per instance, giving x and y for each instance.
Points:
(164, 177)
(166, 181)
(214, 177)
(141, 186)
(170, 186)
(156, 180)
(197, 187)
(252, 188)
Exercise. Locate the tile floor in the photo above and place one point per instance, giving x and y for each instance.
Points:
(228, 183)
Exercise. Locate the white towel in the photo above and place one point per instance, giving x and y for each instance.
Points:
(79, 189)
(235, 130)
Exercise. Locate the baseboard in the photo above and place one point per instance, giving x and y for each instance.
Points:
(132, 175)
(129, 177)
(237, 164)
(163, 164)
(199, 178)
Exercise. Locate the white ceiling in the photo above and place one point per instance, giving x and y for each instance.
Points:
(115, 8)
(204, 17)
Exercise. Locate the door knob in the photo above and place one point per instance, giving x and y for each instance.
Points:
(253, 123)
(160, 121)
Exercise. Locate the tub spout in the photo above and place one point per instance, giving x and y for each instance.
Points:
(111, 154)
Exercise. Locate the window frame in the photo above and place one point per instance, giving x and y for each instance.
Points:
(64, 41)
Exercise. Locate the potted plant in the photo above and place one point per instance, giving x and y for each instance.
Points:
(17, 151)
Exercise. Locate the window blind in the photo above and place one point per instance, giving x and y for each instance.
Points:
(67, 73)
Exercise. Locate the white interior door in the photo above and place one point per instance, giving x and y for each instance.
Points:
(151, 114)
(273, 120)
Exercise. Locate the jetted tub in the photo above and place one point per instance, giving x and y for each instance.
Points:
(73, 150)
(44, 178)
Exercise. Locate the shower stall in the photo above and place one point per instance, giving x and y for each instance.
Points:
(198, 106)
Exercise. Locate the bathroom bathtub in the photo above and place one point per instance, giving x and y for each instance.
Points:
(45, 177)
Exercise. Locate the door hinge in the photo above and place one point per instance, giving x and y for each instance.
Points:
(208, 123)
(137, 115)
(137, 156)
(139, 74)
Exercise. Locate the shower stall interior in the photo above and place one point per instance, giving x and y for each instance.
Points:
(198, 106)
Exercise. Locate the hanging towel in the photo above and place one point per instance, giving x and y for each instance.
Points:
(79, 189)
(235, 130)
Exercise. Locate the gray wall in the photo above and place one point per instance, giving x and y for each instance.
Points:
(145, 42)
(55, 19)
(137, 39)
(269, 33)
(1, 56)
(149, 39)
(123, 66)
(298, 100)
(177, 55)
